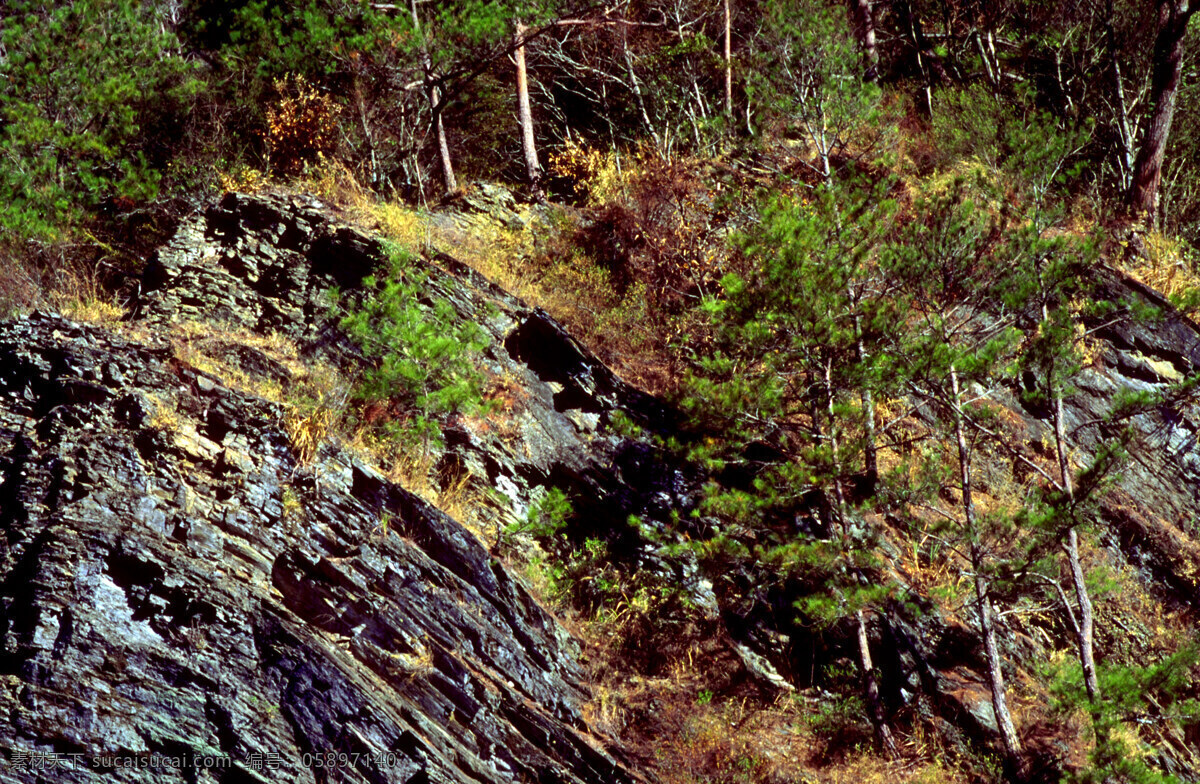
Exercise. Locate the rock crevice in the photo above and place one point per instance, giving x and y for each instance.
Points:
(174, 583)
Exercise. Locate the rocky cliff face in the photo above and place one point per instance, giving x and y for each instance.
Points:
(1153, 516)
(184, 585)
(179, 590)
(1145, 533)
(267, 265)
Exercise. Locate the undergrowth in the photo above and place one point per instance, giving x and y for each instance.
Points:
(423, 360)
(627, 273)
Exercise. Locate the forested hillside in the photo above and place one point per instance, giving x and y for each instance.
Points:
(910, 284)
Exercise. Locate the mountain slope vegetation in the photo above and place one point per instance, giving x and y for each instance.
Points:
(911, 282)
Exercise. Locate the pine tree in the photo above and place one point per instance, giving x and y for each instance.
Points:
(81, 80)
(807, 73)
(794, 360)
(423, 357)
(1047, 275)
(951, 351)
(1045, 281)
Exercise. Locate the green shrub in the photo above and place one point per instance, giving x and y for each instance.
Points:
(547, 516)
(81, 82)
(1133, 695)
(423, 355)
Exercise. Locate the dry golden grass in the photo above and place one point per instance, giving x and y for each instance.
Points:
(867, 768)
(536, 262)
(412, 468)
(307, 428)
(1122, 597)
(244, 179)
(315, 395)
(1164, 265)
(330, 180)
(78, 293)
(67, 282)
(407, 226)
(166, 417)
(199, 344)
(418, 662)
(595, 174)
(291, 504)
(98, 310)
(462, 496)
(685, 734)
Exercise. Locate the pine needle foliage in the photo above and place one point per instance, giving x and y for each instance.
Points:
(1134, 694)
(84, 83)
(797, 334)
(423, 357)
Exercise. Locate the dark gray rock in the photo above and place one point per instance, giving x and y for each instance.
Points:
(157, 604)
(266, 263)
(174, 582)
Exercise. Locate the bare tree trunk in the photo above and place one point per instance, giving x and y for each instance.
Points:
(728, 61)
(419, 176)
(1085, 625)
(835, 446)
(870, 458)
(700, 105)
(366, 129)
(1086, 618)
(439, 129)
(864, 25)
(987, 55)
(883, 732)
(533, 169)
(637, 90)
(1173, 17)
(695, 127)
(1085, 628)
(867, 397)
(1125, 130)
(435, 99)
(1008, 733)
(1085, 631)
(909, 20)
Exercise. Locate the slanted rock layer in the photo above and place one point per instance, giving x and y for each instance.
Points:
(178, 586)
(178, 590)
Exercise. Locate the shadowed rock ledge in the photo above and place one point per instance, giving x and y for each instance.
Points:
(174, 582)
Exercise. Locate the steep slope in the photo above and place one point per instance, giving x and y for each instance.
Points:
(180, 590)
(184, 575)
(1144, 543)
(1152, 518)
